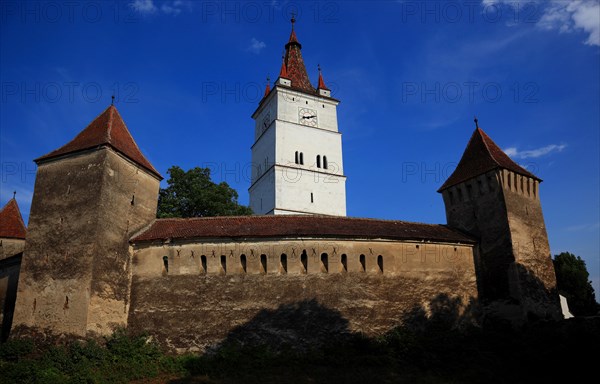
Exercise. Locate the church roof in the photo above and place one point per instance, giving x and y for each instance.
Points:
(11, 221)
(106, 129)
(482, 155)
(297, 226)
(294, 64)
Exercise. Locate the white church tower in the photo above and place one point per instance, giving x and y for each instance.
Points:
(297, 151)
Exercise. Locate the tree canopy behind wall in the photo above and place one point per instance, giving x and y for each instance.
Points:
(572, 281)
(192, 193)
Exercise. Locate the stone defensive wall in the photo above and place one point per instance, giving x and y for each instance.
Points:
(198, 282)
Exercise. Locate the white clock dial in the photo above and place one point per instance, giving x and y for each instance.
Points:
(307, 116)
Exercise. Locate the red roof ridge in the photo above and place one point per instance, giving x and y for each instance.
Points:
(108, 128)
(11, 221)
(265, 226)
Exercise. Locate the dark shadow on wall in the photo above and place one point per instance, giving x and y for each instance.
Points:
(299, 326)
(307, 342)
(442, 340)
(9, 279)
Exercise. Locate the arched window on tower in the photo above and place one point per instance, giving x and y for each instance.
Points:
(296, 159)
(325, 162)
(318, 161)
(301, 158)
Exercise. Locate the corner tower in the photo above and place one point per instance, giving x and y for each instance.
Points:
(90, 196)
(493, 198)
(297, 150)
(12, 243)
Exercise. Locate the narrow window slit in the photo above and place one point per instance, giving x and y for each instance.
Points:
(263, 263)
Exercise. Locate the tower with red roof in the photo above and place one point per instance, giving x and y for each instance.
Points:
(12, 243)
(90, 196)
(496, 200)
(297, 165)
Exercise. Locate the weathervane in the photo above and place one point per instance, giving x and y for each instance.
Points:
(476, 122)
(112, 101)
(14, 194)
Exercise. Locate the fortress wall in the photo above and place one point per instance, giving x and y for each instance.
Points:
(189, 306)
(10, 247)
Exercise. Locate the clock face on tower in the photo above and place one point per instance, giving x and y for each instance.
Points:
(307, 116)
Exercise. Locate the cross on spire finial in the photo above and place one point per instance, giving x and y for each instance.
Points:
(476, 122)
(14, 194)
(112, 100)
(268, 79)
(319, 67)
(293, 20)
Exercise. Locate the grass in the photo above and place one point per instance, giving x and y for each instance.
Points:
(542, 352)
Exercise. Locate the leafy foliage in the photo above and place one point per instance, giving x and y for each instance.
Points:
(120, 359)
(430, 354)
(572, 281)
(193, 194)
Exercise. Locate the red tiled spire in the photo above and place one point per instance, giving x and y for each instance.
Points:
(296, 71)
(268, 88)
(283, 71)
(11, 221)
(106, 129)
(480, 156)
(321, 82)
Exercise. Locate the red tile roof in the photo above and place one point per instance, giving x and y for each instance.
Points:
(482, 155)
(321, 82)
(294, 65)
(296, 226)
(283, 70)
(11, 221)
(106, 129)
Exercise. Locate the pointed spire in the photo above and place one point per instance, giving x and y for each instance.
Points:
(283, 71)
(294, 64)
(482, 155)
(11, 221)
(106, 129)
(321, 82)
(268, 88)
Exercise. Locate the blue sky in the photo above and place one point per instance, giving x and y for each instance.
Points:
(410, 75)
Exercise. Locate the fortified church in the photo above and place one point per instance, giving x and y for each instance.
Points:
(95, 257)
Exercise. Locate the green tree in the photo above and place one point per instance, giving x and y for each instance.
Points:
(572, 281)
(194, 194)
